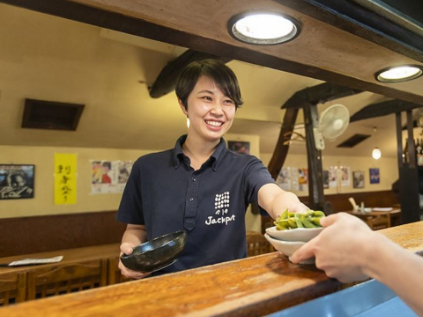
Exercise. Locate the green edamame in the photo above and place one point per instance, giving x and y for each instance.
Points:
(290, 220)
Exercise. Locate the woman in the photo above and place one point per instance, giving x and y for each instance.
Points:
(200, 186)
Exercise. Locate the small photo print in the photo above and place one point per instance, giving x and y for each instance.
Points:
(16, 181)
(325, 179)
(358, 179)
(374, 176)
(242, 147)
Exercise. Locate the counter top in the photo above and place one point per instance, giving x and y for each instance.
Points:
(254, 286)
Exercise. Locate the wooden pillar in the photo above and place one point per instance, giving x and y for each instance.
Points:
(314, 159)
(408, 173)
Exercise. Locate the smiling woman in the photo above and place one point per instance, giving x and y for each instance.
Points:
(200, 186)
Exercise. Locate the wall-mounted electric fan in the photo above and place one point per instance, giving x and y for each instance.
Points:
(332, 123)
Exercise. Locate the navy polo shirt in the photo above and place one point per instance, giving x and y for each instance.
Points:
(165, 194)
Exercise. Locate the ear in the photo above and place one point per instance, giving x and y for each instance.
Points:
(181, 104)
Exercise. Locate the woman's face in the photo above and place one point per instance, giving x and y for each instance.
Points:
(210, 112)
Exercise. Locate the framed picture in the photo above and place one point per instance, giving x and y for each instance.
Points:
(358, 179)
(16, 181)
(242, 147)
(374, 175)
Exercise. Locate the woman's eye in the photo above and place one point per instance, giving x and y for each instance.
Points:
(207, 98)
(229, 102)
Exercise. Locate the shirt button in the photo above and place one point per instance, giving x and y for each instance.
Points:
(191, 199)
(194, 179)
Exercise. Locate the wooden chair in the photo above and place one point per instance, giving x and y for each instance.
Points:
(266, 222)
(257, 244)
(114, 274)
(379, 222)
(66, 278)
(12, 288)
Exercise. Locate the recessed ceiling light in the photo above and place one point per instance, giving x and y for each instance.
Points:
(399, 73)
(263, 28)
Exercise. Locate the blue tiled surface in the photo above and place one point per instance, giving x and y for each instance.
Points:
(368, 299)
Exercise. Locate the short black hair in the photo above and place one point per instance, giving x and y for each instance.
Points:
(214, 69)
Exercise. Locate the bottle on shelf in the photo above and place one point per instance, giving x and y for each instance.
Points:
(405, 153)
(419, 151)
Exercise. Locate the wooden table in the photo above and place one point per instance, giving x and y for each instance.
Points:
(253, 286)
(393, 216)
(69, 256)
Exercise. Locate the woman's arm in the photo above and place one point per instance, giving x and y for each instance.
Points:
(348, 250)
(133, 236)
(275, 200)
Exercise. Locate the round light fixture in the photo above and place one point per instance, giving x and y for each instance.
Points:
(376, 153)
(399, 73)
(263, 28)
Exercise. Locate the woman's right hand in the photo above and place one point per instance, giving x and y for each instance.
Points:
(127, 248)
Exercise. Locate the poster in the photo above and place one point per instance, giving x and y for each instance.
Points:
(374, 176)
(109, 177)
(16, 181)
(358, 179)
(242, 147)
(302, 179)
(325, 179)
(65, 173)
(333, 177)
(345, 176)
(284, 178)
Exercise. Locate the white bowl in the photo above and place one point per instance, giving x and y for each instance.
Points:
(286, 247)
(298, 234)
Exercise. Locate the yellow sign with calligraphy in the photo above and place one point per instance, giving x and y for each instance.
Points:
(64, 179)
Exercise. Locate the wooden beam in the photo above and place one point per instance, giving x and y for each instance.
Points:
(408, 174)
(318, 94)
(166, 80)
(282, 147)
(383, 109)
(109, 16)
(314, 159)
(360, 21)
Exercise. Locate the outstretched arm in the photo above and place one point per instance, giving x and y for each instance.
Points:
(275, 200)
(348, 250)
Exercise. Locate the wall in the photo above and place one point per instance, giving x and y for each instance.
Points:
(43, 201)
(43, 158)
(388, 168)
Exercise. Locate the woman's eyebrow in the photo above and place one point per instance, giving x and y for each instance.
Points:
(207, 91)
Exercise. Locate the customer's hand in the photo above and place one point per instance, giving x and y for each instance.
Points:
(127, 248)
(341, 249)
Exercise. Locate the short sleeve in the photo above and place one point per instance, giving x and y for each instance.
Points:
(130, 209)
(255, 175)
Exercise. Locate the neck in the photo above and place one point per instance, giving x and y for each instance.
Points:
(198, 151)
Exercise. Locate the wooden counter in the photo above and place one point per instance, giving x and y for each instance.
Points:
(254, 286)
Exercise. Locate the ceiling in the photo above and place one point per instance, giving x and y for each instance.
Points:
(109, 62)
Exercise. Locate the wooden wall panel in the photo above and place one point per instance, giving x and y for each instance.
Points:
(27, 235)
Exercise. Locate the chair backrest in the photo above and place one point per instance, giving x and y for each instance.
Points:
(66, 278)
(379, 222)
(257, 244)
(266, 222)
(12, 288)
(114, 274)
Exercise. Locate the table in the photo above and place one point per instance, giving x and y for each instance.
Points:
(379, 219)
(253, 286)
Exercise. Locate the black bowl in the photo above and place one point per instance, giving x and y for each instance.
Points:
(155, 254)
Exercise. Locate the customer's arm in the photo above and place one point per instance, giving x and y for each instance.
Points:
(348, 250)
